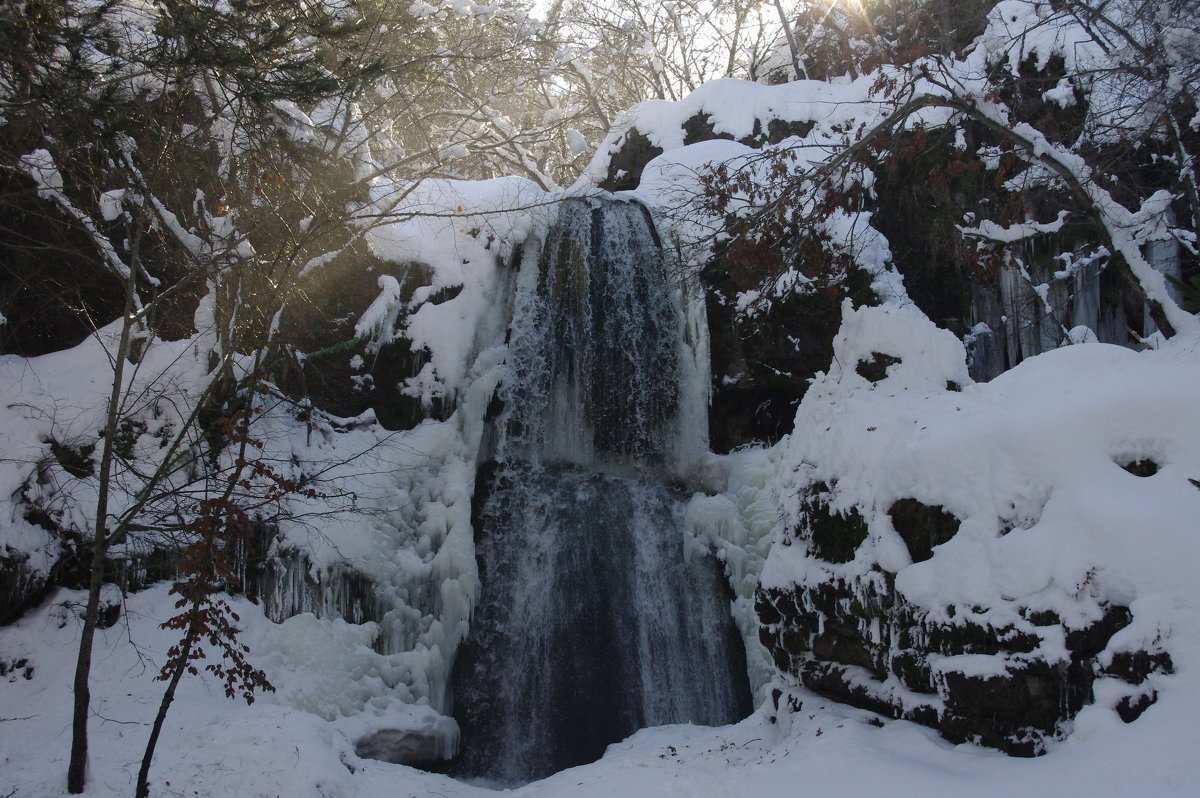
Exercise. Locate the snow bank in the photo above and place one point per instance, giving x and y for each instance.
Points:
(1047, 470)
(223, 749)
(736, 108)
(464, 231)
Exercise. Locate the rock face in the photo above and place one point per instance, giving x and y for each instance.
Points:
(761, 361)
(346, 375)
(1006, 303)
(857, 640)
(281, 578)
(20, 585)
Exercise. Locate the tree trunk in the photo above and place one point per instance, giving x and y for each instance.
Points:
(101, 540)
(143, 780)
(793, 49)
(77, 769)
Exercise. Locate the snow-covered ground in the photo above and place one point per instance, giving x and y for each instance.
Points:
(215, 747)
(1049, 432)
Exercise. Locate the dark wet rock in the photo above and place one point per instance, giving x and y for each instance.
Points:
(75, 460)
(1135, 667)
(20, 585)
(699, 127)
(14, 669)
(876, 368)
(832, 536)
(922, 527)
(404, 747)
(762, 361)
(1130, 708)
(626, 164)
(1091, 640)
(856, 640)
(1015, 710)
(1141, 468)
(109, 612)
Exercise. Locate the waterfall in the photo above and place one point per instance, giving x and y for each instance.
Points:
(595, 344)
(598, 615)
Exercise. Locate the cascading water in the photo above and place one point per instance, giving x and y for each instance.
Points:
(599, 615)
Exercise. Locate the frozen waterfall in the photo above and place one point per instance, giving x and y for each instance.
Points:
(599, 614)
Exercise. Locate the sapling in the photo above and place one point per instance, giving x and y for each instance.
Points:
(207, 569)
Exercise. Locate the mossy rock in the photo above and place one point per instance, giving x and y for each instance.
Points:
(336, 370)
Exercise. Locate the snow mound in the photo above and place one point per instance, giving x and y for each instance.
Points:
(1058, 499)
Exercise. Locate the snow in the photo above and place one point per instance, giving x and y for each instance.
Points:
(421, 9)
(1038, 446)
(110, 204)
(732, 107)
(1037, 451)
(1019, 29)
(464, 232)
(576, 142)
(1031, 463)
(991, 231)
(39, 164)
(222, 749)
(378, 320)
